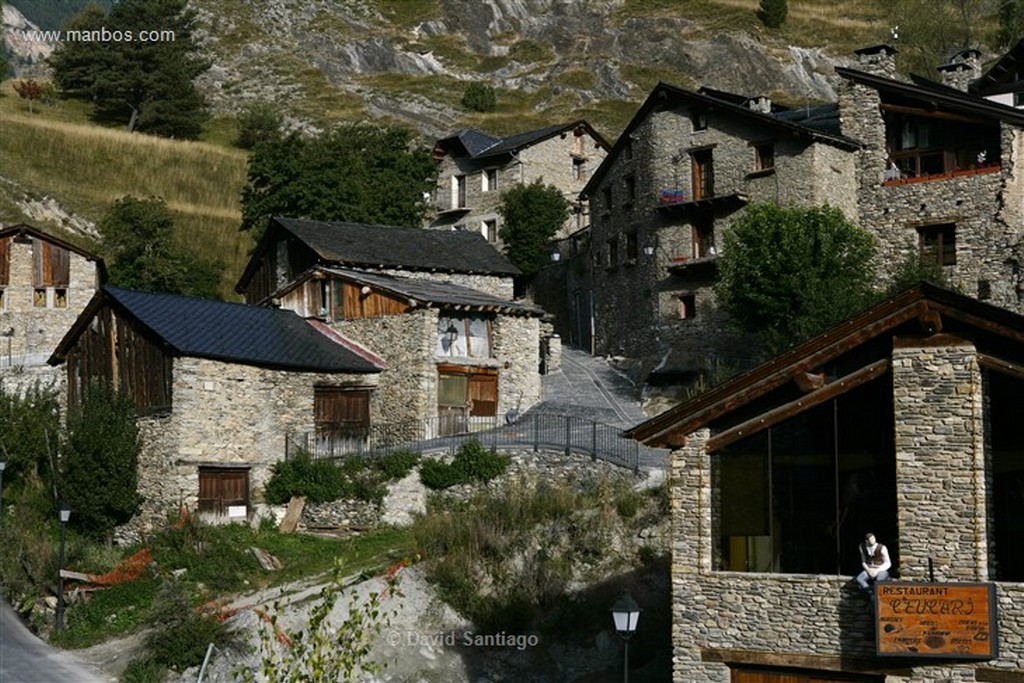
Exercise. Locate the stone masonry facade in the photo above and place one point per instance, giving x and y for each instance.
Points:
(564, 160)
(942, 501)
(647, 306)
(224, 414)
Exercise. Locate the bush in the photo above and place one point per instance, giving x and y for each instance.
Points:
(99, 468)
(479, 97)
(472, 462)
(181, 634)
(28, 439)
(318, 480)
(143, 670)
(773, 13)
(398, 464)
(259, 123)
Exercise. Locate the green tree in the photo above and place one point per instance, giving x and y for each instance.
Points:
(532, 216)
(930, 30)
(790, 273)
(479, 97)
(136, 238)
(356, 172)
(1011, 23)
(772, 13)
(99, 464)
(259, 123)
(133, 75)
(912, 270)
(29, 436)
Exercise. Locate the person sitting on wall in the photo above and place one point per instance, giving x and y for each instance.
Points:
(874, 557)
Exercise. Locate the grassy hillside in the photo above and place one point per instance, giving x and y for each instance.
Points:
(57, 152)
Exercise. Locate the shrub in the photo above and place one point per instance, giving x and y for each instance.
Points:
(318, 480)
(259, 123)
(627, 504)
(773, 13)
(473, 462)
(479, 97)
(143, 670)
(398, 464)
(181, 634)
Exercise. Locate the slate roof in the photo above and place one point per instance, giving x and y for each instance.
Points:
(437, 294)
(822, 125)
(479, 145)
(229, 332)
(385, 246)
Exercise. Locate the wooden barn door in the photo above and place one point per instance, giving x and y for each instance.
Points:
(768, 676)
(342, 417)
(223, 488)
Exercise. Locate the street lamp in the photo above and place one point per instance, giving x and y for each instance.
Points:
(65, 515)
(625, 613)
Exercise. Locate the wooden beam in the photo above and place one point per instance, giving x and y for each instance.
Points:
(787, 410)
(809, 381)
(917, 111)
(803, 661)
(998, 676)
(1002, 366)
(929, 319)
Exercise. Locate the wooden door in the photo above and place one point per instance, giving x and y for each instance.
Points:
(221, 489)
(342, 417)
(703, 175)
(483, 395)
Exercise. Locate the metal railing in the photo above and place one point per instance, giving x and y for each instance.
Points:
(536, 431)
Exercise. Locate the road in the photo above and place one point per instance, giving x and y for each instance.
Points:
(26, 659)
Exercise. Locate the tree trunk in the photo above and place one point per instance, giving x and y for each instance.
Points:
(132, 120)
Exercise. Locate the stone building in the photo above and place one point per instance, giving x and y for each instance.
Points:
(218, 388)
(45, 283)
(436, 305)
(681, 172)
(903, 421)
(475, 168)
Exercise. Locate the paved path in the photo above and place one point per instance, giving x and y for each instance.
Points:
(586, 386)
(26, 659)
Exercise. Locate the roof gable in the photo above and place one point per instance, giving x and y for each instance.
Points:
(925, 309)
(817, 124)
(1003, 75)
(28, 231)
(229, 332)
(478, 145)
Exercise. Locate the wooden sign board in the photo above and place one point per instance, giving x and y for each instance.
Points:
(950, 620)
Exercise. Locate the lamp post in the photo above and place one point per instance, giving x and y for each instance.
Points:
(65, 515)
(625, 613)
(3, 464)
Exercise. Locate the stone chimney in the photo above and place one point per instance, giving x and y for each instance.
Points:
(962, 69)
(879, 60)
(760, 103)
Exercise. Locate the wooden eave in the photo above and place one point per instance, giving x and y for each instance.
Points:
(926, 303)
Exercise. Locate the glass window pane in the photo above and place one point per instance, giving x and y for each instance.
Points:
(451, 337)
(479, 342)
(452, 390)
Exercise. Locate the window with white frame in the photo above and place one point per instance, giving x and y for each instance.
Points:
(489, 180)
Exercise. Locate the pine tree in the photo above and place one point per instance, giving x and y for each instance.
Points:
(773, 13)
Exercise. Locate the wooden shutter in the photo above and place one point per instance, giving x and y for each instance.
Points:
(483, 392)
(51, 264)
(5, 261)
(221, 488)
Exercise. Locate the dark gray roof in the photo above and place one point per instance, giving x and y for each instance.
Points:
(434, 293)
(234, 333)
(480, 145)
(385, 246)
(823, 118)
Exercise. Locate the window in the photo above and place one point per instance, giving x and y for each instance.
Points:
(613, 253)
(984, 290)
(627, 151)
(938, 243)
(606, 197)
(687, 306)
(632, 248)
(704, 235)
(51, 273)
(489, 180)
(464, 394)
(699, 119)
(463, 336)
(60, 297)
(703, 174)
(459, 192)
(490, 230)
(224, 491)
(579, 168)
(764, 157)
(39, 298)
(630, 182)
(798, 497)
(1006, 433)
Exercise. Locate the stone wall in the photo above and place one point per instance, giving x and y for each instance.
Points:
(550, 161)
(517, 352)
(822, 619)
(637, 300)
(224, 414)
(30, 333)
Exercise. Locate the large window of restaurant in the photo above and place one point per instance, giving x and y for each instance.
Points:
(1006, 467)
(799, 496)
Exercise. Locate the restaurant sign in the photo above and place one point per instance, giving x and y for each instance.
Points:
(951, 620)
